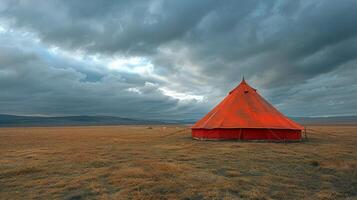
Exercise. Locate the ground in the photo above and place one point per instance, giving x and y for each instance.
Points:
(158, 162)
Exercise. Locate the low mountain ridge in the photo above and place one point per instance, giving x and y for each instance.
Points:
(14, 121)
(335, 120)
(84, 120)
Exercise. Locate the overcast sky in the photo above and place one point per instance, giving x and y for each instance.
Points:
(176, 59)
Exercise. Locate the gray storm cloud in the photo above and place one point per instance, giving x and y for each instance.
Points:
(175, 59)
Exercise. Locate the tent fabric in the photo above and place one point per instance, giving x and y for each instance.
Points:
(247, 134)
(244, 109)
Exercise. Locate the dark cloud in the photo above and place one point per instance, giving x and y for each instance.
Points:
(56, 56)
(31, 85)
(108, 26)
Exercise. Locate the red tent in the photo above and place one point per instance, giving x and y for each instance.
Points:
(245, 115)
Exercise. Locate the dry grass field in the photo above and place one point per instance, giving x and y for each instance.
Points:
(140, 162)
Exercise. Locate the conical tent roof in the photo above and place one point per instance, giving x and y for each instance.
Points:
(245, 108)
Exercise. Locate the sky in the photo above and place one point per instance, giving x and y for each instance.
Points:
(176, 59)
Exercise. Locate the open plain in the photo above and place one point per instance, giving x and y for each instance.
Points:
(163, 162)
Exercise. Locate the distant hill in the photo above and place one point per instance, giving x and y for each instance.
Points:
(18, 121)
(15, 121)
(338, 120)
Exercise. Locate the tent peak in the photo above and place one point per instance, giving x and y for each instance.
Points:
(243, 81)
(243, 84)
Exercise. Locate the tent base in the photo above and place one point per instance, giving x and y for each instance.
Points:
(247, 134)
